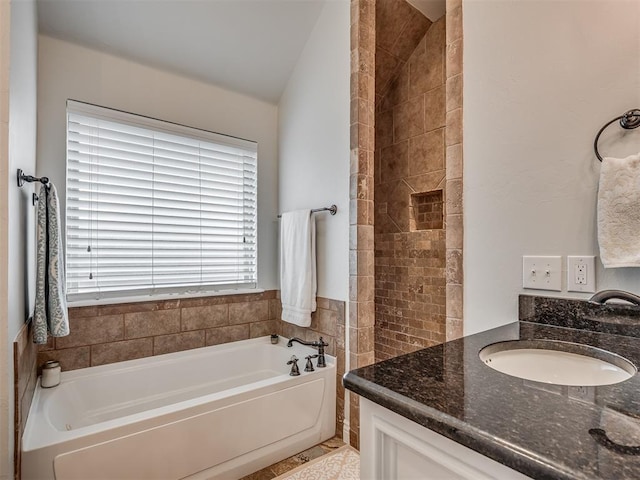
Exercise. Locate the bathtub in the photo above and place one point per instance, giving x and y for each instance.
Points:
(218, 412)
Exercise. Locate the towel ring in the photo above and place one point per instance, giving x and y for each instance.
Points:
(628, 121)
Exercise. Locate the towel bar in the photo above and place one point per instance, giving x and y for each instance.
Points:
(22, 178)
(332, 209)
(629, 120)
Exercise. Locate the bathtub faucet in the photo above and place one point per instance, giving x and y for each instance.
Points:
(320, 344)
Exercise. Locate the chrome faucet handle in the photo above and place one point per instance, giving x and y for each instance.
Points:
(295, 371)
(309, 366)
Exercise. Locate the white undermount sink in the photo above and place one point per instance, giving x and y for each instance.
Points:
(558, 363)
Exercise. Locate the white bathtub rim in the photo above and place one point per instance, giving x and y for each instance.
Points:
(159, 414)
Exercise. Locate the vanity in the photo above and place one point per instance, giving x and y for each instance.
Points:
(444, 413)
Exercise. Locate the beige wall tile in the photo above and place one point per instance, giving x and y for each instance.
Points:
(434, 109)
(426, 153)
(178, 342)
(194, 318)
(454, 127)
(275, 309)
(260, 329)
(454, 161)
(327, 322)
(454, 58)
(412, 33)
(394, 161)
(146, 324)
(232, 333)
(454, 301)
(248, 312)
(121, 351)
(82, 312)
(69, 358)
(408, 119)
(454, 266)
(398, 91)
(91, 330)
(384, 129)
(454, 24)
(454, 197)
(454, 92)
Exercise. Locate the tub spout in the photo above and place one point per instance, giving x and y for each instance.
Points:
(320, 344)
(604, 296)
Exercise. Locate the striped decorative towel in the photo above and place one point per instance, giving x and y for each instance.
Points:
(50, 315)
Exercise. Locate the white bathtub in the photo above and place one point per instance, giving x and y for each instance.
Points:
(217, 412)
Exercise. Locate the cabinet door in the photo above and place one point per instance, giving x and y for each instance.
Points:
(394, 448)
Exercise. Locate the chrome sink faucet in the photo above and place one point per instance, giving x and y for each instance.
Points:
(604, 296)
(320, 344)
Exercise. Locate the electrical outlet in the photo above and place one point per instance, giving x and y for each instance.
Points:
(542, 273)
(581, 273)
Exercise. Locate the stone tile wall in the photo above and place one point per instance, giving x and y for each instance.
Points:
(453, 219)
(410, 176)
(361, 265)
(25, 354)
(115, 333)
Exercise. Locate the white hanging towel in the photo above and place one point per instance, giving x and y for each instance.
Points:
(298, 283)
(50, 314)
(619, 212)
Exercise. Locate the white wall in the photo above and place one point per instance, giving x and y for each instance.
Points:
(17, 220)
(314, 143)
(68, 71)
(20, 229)
(540, 79)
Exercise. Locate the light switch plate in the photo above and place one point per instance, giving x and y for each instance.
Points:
(542, 273)
(581, 273)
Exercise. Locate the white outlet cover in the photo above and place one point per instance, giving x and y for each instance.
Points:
(542, 272)
(587, 261)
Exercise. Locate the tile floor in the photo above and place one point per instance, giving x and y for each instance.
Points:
(295, 461)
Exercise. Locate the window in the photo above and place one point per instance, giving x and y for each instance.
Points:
(156, 207)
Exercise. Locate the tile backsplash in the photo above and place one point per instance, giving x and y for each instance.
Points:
(115, 333)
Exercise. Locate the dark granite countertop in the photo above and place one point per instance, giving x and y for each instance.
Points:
(538, 429)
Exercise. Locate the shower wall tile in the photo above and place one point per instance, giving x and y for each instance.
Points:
(454, 168)
(410, 285)
(361, 212)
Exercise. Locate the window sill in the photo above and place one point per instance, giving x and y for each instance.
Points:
(161, 296)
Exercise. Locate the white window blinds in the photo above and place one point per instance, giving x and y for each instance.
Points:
(153, 205)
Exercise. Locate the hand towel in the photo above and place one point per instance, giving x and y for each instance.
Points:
(50, 315)
(298, 283)
(619, 212)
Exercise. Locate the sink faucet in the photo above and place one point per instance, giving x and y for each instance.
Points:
(320, 344)
(604, 296)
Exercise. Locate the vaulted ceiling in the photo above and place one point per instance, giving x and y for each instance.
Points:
(249, 46)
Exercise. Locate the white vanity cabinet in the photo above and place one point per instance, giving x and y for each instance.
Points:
(395, 448)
